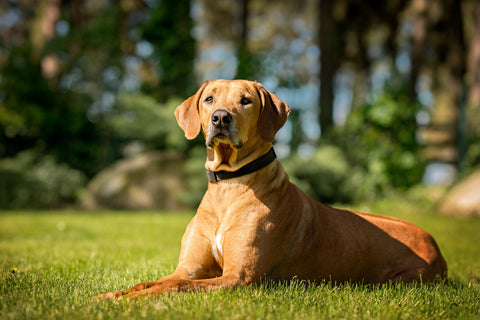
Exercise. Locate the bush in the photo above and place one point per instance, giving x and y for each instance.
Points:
(31, 182)
(324, 176)
(193, 171)
(142, 118)
(375, 153)
(380, 142)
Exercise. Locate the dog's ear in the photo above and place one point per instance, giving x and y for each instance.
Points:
(187, 114)
(273, 114)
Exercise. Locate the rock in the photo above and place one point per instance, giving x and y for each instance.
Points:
(146, 181)
(464, 198)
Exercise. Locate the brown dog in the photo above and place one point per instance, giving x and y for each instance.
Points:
(253, 224)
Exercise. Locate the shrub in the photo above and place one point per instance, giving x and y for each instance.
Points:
(380, 141)
(193, 171)
(325, 175)
(142, 118)
(31, 182)
(374, 153)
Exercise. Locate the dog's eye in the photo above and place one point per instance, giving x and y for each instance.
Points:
(245, 101)
(209, 99)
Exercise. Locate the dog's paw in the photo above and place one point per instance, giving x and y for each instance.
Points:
(109, 295)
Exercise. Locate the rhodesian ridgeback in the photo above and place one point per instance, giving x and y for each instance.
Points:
(253, 224)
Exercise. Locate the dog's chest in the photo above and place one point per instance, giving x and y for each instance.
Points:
(217, 248)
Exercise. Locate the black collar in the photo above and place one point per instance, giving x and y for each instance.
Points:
(257, 164)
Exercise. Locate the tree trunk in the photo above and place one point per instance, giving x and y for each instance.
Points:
(443, 135)
(473, 75)
(418, 45)
(244, 68)
(328, 63)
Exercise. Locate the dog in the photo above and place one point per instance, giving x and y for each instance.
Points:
(253, 224)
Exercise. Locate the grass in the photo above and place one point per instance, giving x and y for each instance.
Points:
(65, 258)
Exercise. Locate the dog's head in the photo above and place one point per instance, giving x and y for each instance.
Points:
(238, 118)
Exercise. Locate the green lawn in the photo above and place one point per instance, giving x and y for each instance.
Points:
(64, 259)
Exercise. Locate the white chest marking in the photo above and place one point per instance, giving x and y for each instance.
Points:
(217, 249)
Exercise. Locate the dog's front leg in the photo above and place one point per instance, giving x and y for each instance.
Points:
(196, 259)
(246, 262)
(184, 285)
(139, 287)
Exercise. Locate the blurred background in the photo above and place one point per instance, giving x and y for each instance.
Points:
(385, 95)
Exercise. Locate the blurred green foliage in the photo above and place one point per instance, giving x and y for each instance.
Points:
(143, 120)
(78, 118)
(472, 159)
(33, 116)
(324, 176)
(375, 152)
(380, 138)
(32, 181)
(120, 69)
(139, 117)
(169, 29)
(193, 169)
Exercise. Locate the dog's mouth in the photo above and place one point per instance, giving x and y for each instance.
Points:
(223, 142)
(225, 147)
(225, 151)
(217, 137)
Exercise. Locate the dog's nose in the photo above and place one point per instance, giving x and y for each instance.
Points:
(221, 118)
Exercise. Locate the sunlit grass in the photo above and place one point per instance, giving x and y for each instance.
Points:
(64, 259)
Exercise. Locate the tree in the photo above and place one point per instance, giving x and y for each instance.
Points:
(328, 38)
(448, 70)
(473, 83)
(419, 38)
(245, 68)
(52, 84)
(169, 30)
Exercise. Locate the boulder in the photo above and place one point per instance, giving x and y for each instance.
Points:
(147, 181)
(464, 198)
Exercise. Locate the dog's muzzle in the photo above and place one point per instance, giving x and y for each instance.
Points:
(222, 128)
